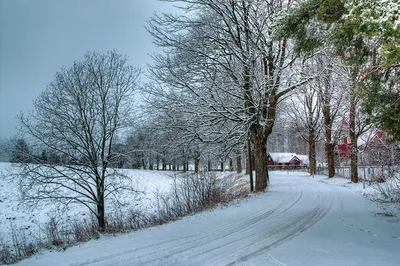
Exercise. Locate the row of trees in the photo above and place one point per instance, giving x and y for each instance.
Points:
(223, 73)
(230, 72)
(228, 66)
(364, 36)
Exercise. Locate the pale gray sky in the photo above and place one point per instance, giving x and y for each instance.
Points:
(38, 37)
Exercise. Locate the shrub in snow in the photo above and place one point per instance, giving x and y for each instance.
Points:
(387, 183)
(197, 192)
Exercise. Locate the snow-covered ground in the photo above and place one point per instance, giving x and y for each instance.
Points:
(300, 220)
(365, 188)
(27, 221)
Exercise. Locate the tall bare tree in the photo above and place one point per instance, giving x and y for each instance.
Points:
(306, 114)
(223, 54)
(78, 118)
(332, 87)
(357, 121)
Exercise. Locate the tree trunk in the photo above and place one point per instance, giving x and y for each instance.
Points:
(329, 145)
(238, 163)
(312, 152)
(330, 155)
(100, 212)
(249, 167)
(260, 157)
(151, 166)
(253, 162)
(222, 166)
(143, 162)
(353, 139)
(230, 164)
(196, 165)
(326, 110)
(209, 165)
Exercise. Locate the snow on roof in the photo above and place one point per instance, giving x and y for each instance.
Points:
(285, 157)
(280, 157)
(369, 136)
(303, 158)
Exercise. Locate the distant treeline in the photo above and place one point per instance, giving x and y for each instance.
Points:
(4, 154)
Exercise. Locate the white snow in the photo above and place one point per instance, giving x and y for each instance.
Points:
(284, 157)
(300, 220)
(14, 214)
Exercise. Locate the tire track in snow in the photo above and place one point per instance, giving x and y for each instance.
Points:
(277, 234)
(275, 261)
(296, 226)
(237, 240)
(128, 251)
(161, 250)
(220, 233)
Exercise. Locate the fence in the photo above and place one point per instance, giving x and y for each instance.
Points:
(367, 173)
(288, 167)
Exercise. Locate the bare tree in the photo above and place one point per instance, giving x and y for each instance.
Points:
(332, 86)
(78, 118)
(222, 55)
(306, 114)
(357, 122)
(341, 86)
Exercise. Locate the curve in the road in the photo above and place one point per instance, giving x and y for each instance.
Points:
(271, 220)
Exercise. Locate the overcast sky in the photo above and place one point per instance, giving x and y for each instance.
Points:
(38, 37)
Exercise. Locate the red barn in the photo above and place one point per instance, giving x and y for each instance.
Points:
(287, 160)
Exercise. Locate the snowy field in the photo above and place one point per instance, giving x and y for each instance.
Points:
(27, 221)
(300, 220)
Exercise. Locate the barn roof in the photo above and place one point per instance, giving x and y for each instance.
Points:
(285, 157)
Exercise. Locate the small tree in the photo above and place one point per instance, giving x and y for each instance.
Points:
(77, 119)
(20, 152)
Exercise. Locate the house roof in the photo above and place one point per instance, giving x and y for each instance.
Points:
(303, 158)
(371, 136)
(282, 157)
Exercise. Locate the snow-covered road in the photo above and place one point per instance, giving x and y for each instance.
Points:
(299, 221)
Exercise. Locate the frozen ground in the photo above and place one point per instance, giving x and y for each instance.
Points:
(27, 221)
(300, 221)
